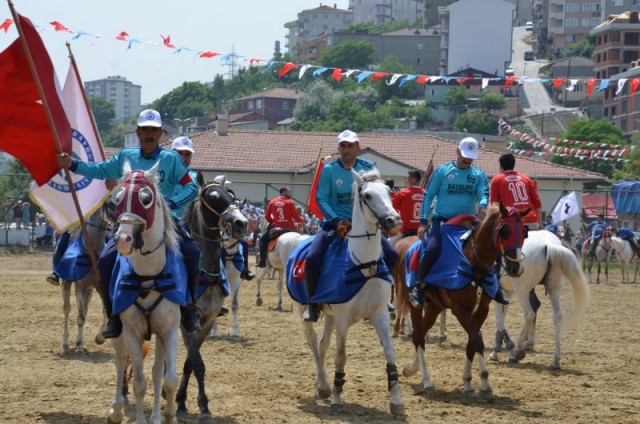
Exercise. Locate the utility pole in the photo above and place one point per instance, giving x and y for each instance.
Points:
(232, 63)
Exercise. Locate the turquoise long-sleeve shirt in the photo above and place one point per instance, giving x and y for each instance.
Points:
(456, 191)
(334, 192)
(172, 173)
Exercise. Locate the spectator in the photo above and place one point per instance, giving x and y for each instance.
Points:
(567, 234)
(549, 225)
(26, 214)
(41, 231)
(17, 214)
(8, 212)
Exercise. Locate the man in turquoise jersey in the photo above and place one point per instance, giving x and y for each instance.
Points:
(335, 200)
(457, 187)
(172, 173)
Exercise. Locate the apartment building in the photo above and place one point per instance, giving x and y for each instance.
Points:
(317, 22)
(124, 95)
(381, 11)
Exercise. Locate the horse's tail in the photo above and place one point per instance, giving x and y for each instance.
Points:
(563, 263)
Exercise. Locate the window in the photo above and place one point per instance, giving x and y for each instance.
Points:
(571, 22)
(285, 105)
(595, 7)
(258, 104)
(585, 22)
(419, 61)
(570, 38)
(572, 7)
(249, 105)
(595, 22)
(623, 107)
(586, 7)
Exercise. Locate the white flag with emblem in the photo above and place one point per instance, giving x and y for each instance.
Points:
(566, 208)
(54, 198)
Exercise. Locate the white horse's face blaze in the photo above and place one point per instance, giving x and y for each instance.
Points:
(378, 208)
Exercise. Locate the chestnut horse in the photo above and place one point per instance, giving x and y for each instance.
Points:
(501, 230)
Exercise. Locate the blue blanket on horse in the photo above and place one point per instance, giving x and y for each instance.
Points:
(237, 258)
(171, 282)
(75, 263)
(204, 283)
(452, 270)
(340, 279)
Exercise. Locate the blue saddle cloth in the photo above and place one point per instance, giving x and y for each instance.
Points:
(171, 282)
(237, 258)
(75, 263)
(339, 280)
(452, 270)
(204, 284)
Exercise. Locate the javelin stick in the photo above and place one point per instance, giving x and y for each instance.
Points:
(429, 171)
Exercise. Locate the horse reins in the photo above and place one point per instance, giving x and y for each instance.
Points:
(362, 202)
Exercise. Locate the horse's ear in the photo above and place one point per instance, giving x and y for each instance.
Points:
(503, 210)
(525, 212)
(356, 176)
(200, 179)
(152, 173)
(126, 167)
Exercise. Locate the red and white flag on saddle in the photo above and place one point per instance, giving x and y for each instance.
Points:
(54, 197)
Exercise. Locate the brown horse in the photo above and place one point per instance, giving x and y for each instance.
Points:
(500, 231)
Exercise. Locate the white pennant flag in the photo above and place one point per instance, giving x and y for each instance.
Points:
(54, 197)
(621, 83)
(566, 208)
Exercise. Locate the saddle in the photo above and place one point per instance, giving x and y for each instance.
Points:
(274, 233)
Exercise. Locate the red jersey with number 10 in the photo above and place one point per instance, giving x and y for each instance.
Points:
(408, 203)
(281, 212)
(518, 191)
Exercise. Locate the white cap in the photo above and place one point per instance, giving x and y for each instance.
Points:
(182, 143)
(469, 148)
(149, 118)
(349, 136)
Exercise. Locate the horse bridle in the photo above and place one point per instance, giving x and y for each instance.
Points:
(363, 203)
(221, 217)
(488, 269)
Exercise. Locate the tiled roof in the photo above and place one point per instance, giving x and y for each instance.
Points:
(274, 93)
(295, 151)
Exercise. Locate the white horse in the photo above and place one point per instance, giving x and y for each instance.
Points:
(277, 261)
(97, 225)
(626, 255)
(549, 263)
(146, 235)
(372, 210)
(602, 254)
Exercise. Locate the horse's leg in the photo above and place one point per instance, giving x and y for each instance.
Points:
(321, 383)
(262, 272)
(635, 275)
(65, 289)
(554, 297)
(280, 278)
(501, 330)
(381, 322)
(479, 317)
(133, 346)
(84, 292)
(342, 328)
(529, 315)
(116, 415)
(235, 289)
(422, 320)
(443, 326)
(165, 365)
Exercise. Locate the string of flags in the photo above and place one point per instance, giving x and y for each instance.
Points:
(336, 73)
(582, 150)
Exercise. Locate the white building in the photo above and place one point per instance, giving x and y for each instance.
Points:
(122, 94)
(476, 34)
(380, 11)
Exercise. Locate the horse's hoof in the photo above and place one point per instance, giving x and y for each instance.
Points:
(279, 308)
(394, 335)
(337, 407)
(258, 302)
(408, 371)
(80, 351)
(64, 350)
(494, 357)
(469, 393)
(442, 338)
(486, 394)
(205, 419)
(555, 365)
(324, 393)
(427, 390)
(99, 339)
(392, 316)
(110, 421)
(520, 354)
(396, 409)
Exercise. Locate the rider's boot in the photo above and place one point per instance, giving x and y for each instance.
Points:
(501, 297)
(113, 328)
(310, 313)
(246, 274)
(190, 319)
(417, 293)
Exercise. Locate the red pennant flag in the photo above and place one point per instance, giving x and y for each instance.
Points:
(634, 85)
(379, 75)
(509, 80)
(422, 79)
(6, 24)
(57, 26)
(25, 132)
(312, 204)
(337, 74)
(123, 36)
(463, 80)
(167, 41)
(208, 54)
(286, 68)
(590, 85)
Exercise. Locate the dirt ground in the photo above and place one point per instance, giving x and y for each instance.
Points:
(267, 375)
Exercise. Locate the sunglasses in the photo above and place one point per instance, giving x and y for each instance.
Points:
(148, 129)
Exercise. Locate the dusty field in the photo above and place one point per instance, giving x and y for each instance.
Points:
(267, 375)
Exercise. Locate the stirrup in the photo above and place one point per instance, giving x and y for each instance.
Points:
(247, 275)
(53, 279)
(113, 328)
(415, 298)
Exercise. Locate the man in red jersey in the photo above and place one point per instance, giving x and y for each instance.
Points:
(280, 213)
(516, 190)
(408, 203)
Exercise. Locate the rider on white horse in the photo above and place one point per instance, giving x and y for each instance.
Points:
(174, 174)
(597, 227)
(457, 187)
(626, 234)
(334, 197)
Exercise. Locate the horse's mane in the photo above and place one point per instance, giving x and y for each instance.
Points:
(493, 212)
(170, 230)
(372, 174)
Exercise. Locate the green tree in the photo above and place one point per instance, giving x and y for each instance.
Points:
(348, 55)
(104, 113)
(190, 99)
(584, 48)
(596, 131)
(490, 102)
(15, 182)
(313, 105)
(476, 122)
(393, 65)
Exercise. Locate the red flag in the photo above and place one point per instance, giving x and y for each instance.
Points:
(25, 132)
(6, 24)
(312, 204)
(590, 85)
(286, 68)
(427, 175)
(167, 41)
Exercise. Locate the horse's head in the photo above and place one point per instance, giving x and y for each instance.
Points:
(373, 200)
(140, 211)
(509, 234)
(219, 211)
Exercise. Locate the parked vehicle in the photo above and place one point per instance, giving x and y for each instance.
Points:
(528, 26)
(529, 55)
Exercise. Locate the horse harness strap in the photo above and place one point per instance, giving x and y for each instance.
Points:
(363, 278)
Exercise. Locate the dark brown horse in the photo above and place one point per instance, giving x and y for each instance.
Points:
(501, 231)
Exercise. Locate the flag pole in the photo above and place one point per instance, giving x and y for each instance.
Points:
(86, 101)
(314, 175)
(74, 195)
(429, 171)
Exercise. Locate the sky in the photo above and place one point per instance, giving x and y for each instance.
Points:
(249, 26)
